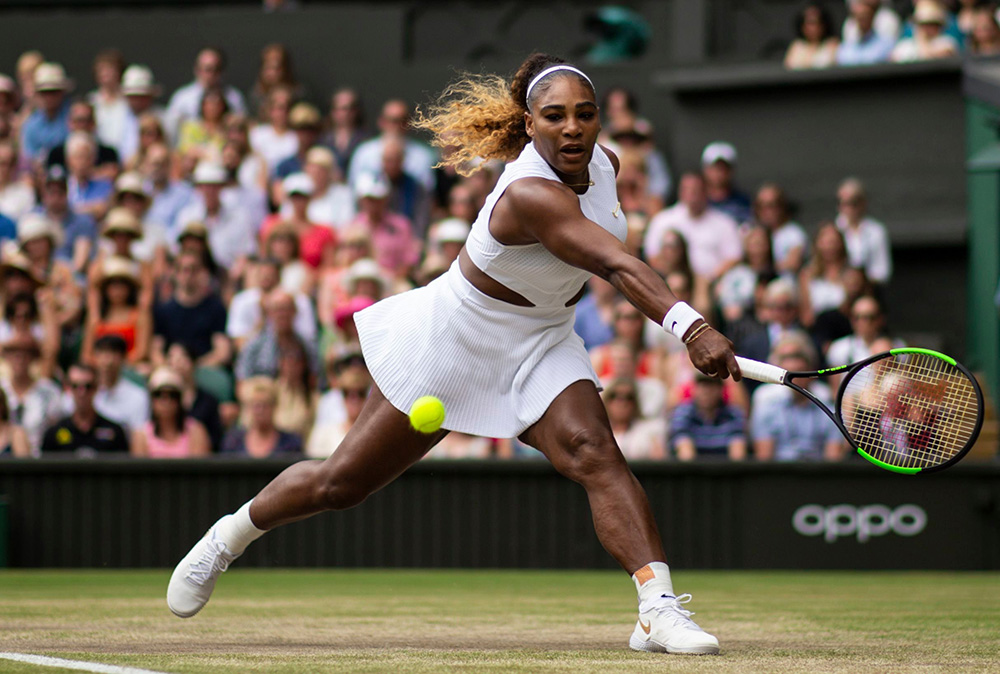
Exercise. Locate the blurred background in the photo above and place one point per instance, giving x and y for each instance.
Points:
(195, 198)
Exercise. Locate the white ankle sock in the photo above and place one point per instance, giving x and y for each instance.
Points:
(652, 581)
(237, 531)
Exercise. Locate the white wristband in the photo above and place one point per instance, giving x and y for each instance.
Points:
(680, 318)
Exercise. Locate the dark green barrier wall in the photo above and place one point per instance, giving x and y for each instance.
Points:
(512, 515)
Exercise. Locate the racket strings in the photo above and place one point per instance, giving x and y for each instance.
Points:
(911, 410)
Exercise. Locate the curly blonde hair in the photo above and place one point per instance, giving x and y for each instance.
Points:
(481, 117)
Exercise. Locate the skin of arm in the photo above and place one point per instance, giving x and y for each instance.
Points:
(539, 210)
(763, 449)
(685, 449)
(19, 443)
(737, 449)
(198, 441)
(138, 446)
(221, 353)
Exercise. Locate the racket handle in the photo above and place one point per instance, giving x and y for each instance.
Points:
(758, 371)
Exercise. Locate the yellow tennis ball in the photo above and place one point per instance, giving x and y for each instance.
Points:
(427, 414)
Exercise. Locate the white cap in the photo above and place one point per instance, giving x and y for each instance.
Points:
(451, 229)
(7, 84)
(298, 183)
(131, 182)
(51, 77)
(164, 377)
(210, 173)
(718, 151)
(365, 268)
(370, 185)
(138, 80)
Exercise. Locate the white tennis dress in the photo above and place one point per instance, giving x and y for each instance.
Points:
(496, 366)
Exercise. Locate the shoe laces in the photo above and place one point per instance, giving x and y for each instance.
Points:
(215, 559)
(671, 608)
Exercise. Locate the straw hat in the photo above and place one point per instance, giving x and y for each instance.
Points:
(131, 182)
(196, 229)
(51, 77)
(138, 80)
(33, 226)
(164, 377)
(122, 220)
(119, 268)
(15, 260)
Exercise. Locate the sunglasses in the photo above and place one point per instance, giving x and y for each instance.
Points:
(82, 386)
(355, 393)
(622, 395)
(865, 317)
(166, 393)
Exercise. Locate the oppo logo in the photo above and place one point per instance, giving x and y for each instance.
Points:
(862, 522)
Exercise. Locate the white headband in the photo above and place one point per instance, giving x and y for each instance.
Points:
(550, 70)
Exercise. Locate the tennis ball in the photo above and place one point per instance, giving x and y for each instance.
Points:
(427, 414)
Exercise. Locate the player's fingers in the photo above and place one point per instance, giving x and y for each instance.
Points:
(733, 366)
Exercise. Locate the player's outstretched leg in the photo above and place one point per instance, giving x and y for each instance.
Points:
(575, 435)
(378, 448)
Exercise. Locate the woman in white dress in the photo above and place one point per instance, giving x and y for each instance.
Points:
(493, 339)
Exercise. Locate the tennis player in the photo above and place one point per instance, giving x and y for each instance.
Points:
(493, 339)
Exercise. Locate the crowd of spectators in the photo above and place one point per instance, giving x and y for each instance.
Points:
(874, 32)
(180, 273)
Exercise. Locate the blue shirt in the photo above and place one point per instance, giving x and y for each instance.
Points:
(799, 429)
(591, 328)
(287, 167)
(736, 206)
(40, 134)
(74, 225)
(169, 203)
(97, 190)
(871, 48)
(8, 228)
(710, 436)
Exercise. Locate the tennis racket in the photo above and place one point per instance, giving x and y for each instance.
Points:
(907, 410)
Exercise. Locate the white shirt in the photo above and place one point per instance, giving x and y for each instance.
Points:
(418, 161)
(785, 239)
(36, 411)
(110, 117)
(245, 315)
(16, 199)
(330, 410)
(334, 207)
(851, 349)
(886, 24)
(912, 49)
(713, 238)
(868, 248)
(129, 144)
(273, 146)
(231, 233)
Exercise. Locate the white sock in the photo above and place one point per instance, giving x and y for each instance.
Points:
(237, 531)
(652, 581)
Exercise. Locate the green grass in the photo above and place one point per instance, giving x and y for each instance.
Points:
(502, 621)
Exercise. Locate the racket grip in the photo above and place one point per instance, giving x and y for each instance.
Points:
(758, 371)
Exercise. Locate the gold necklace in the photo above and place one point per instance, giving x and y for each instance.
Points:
(589, 183)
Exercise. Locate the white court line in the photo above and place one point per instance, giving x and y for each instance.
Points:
(46, 661)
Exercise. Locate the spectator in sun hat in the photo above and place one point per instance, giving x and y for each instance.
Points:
(364, 279)
(132, 193)
(81, 119)
(116, 306)
(141, 91)
(333, 201)
(170, 433)
(231, 230)
(343, 316)
(305, 120)
(929, 41)
(47, 126)
(396, 249)
(447, 237)
(298, 189)
(39, 238)
(718, 164)
(209, 66)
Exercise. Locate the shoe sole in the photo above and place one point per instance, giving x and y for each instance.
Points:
(651, 646)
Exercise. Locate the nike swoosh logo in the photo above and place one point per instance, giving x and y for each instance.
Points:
(645, 628)
(673, 326)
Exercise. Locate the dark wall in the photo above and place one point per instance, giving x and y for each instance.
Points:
(512, 515)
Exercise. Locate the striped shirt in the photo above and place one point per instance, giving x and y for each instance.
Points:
(710, 436)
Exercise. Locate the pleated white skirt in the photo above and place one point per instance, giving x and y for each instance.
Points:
(496, 366)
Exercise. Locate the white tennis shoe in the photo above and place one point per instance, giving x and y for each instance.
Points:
(665, 626)
(194, 578)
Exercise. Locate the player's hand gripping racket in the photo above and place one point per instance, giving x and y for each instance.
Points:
(906, 410)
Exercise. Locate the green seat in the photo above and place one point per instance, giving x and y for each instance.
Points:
(216, 381)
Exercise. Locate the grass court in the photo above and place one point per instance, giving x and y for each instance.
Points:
(397, 621)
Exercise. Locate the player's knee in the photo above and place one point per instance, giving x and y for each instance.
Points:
(338, 494)
(589, 453)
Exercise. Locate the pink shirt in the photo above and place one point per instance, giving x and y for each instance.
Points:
(394, 246)
(713, 239)
(159, 448)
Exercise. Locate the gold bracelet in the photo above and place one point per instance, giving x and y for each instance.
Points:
(698, 332)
